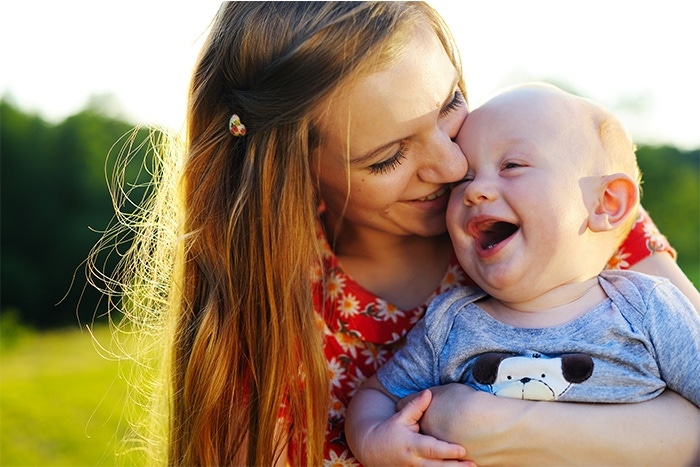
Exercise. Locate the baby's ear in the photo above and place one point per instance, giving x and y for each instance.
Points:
(617, 196)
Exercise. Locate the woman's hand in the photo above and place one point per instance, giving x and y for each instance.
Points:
(463, 415)
(502, 431)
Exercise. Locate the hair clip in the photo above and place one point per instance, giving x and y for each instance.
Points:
(235, 126)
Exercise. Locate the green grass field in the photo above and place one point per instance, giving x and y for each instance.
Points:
(60, 401)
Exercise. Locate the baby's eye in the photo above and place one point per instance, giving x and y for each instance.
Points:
(467, 178)
(511, 165)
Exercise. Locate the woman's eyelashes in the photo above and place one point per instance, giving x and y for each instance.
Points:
(389, 164)
(394, 161)
(456, 102)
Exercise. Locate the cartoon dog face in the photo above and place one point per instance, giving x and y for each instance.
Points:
(533, 377)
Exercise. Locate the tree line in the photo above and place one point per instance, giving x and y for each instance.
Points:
(55, 202)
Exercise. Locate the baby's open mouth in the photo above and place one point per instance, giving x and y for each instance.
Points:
(491, 233)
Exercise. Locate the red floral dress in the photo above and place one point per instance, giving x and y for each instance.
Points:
(362, 331)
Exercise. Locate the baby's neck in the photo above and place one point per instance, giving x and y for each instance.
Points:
(555, 307)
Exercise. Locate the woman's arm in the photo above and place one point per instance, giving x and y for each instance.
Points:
(664, 265)
(502, 431)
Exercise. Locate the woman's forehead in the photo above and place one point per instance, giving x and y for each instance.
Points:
(380, 107)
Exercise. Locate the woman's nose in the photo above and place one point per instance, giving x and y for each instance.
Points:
(444, 161)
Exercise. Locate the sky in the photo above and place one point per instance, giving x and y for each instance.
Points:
(636, 57)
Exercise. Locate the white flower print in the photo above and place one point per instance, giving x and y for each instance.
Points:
(349, 306)
(334, 286)
(454, 276)
(336, 372)
(655, 241)
(387, 311)
(344, 460)
(348, 342)
(337, 408)
(316, 273)
(618, 260)
(375, 355)
(417, 316)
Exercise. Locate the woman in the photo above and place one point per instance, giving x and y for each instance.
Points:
(321, 134)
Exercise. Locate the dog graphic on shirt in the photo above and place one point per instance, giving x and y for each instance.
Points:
(532, 377)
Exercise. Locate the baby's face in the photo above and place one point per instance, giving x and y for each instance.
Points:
(516, 219)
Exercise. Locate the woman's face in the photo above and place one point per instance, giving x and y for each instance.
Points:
(387, 138)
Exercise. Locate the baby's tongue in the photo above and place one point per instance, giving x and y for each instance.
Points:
(495, 233)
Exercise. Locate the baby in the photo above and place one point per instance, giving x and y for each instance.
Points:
(552, 189)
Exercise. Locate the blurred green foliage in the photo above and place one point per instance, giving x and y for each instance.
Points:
(671, 194)
(55, 201)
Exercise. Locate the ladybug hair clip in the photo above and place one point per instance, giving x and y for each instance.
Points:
(235, 126)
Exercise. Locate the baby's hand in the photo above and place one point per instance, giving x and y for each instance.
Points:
(397, 440)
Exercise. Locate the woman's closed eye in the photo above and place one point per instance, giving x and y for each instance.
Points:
(456, 102)
(390, 164)
(394, 161)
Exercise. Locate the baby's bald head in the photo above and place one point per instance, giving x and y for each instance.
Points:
(584, 128)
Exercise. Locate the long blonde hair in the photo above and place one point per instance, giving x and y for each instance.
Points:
(246, 373)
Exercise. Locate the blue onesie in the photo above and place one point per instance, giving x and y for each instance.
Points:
(629, 348)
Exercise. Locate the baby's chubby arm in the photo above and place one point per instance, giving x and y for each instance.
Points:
(379, 435)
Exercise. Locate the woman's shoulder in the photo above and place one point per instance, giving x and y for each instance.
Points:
(642, 241)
